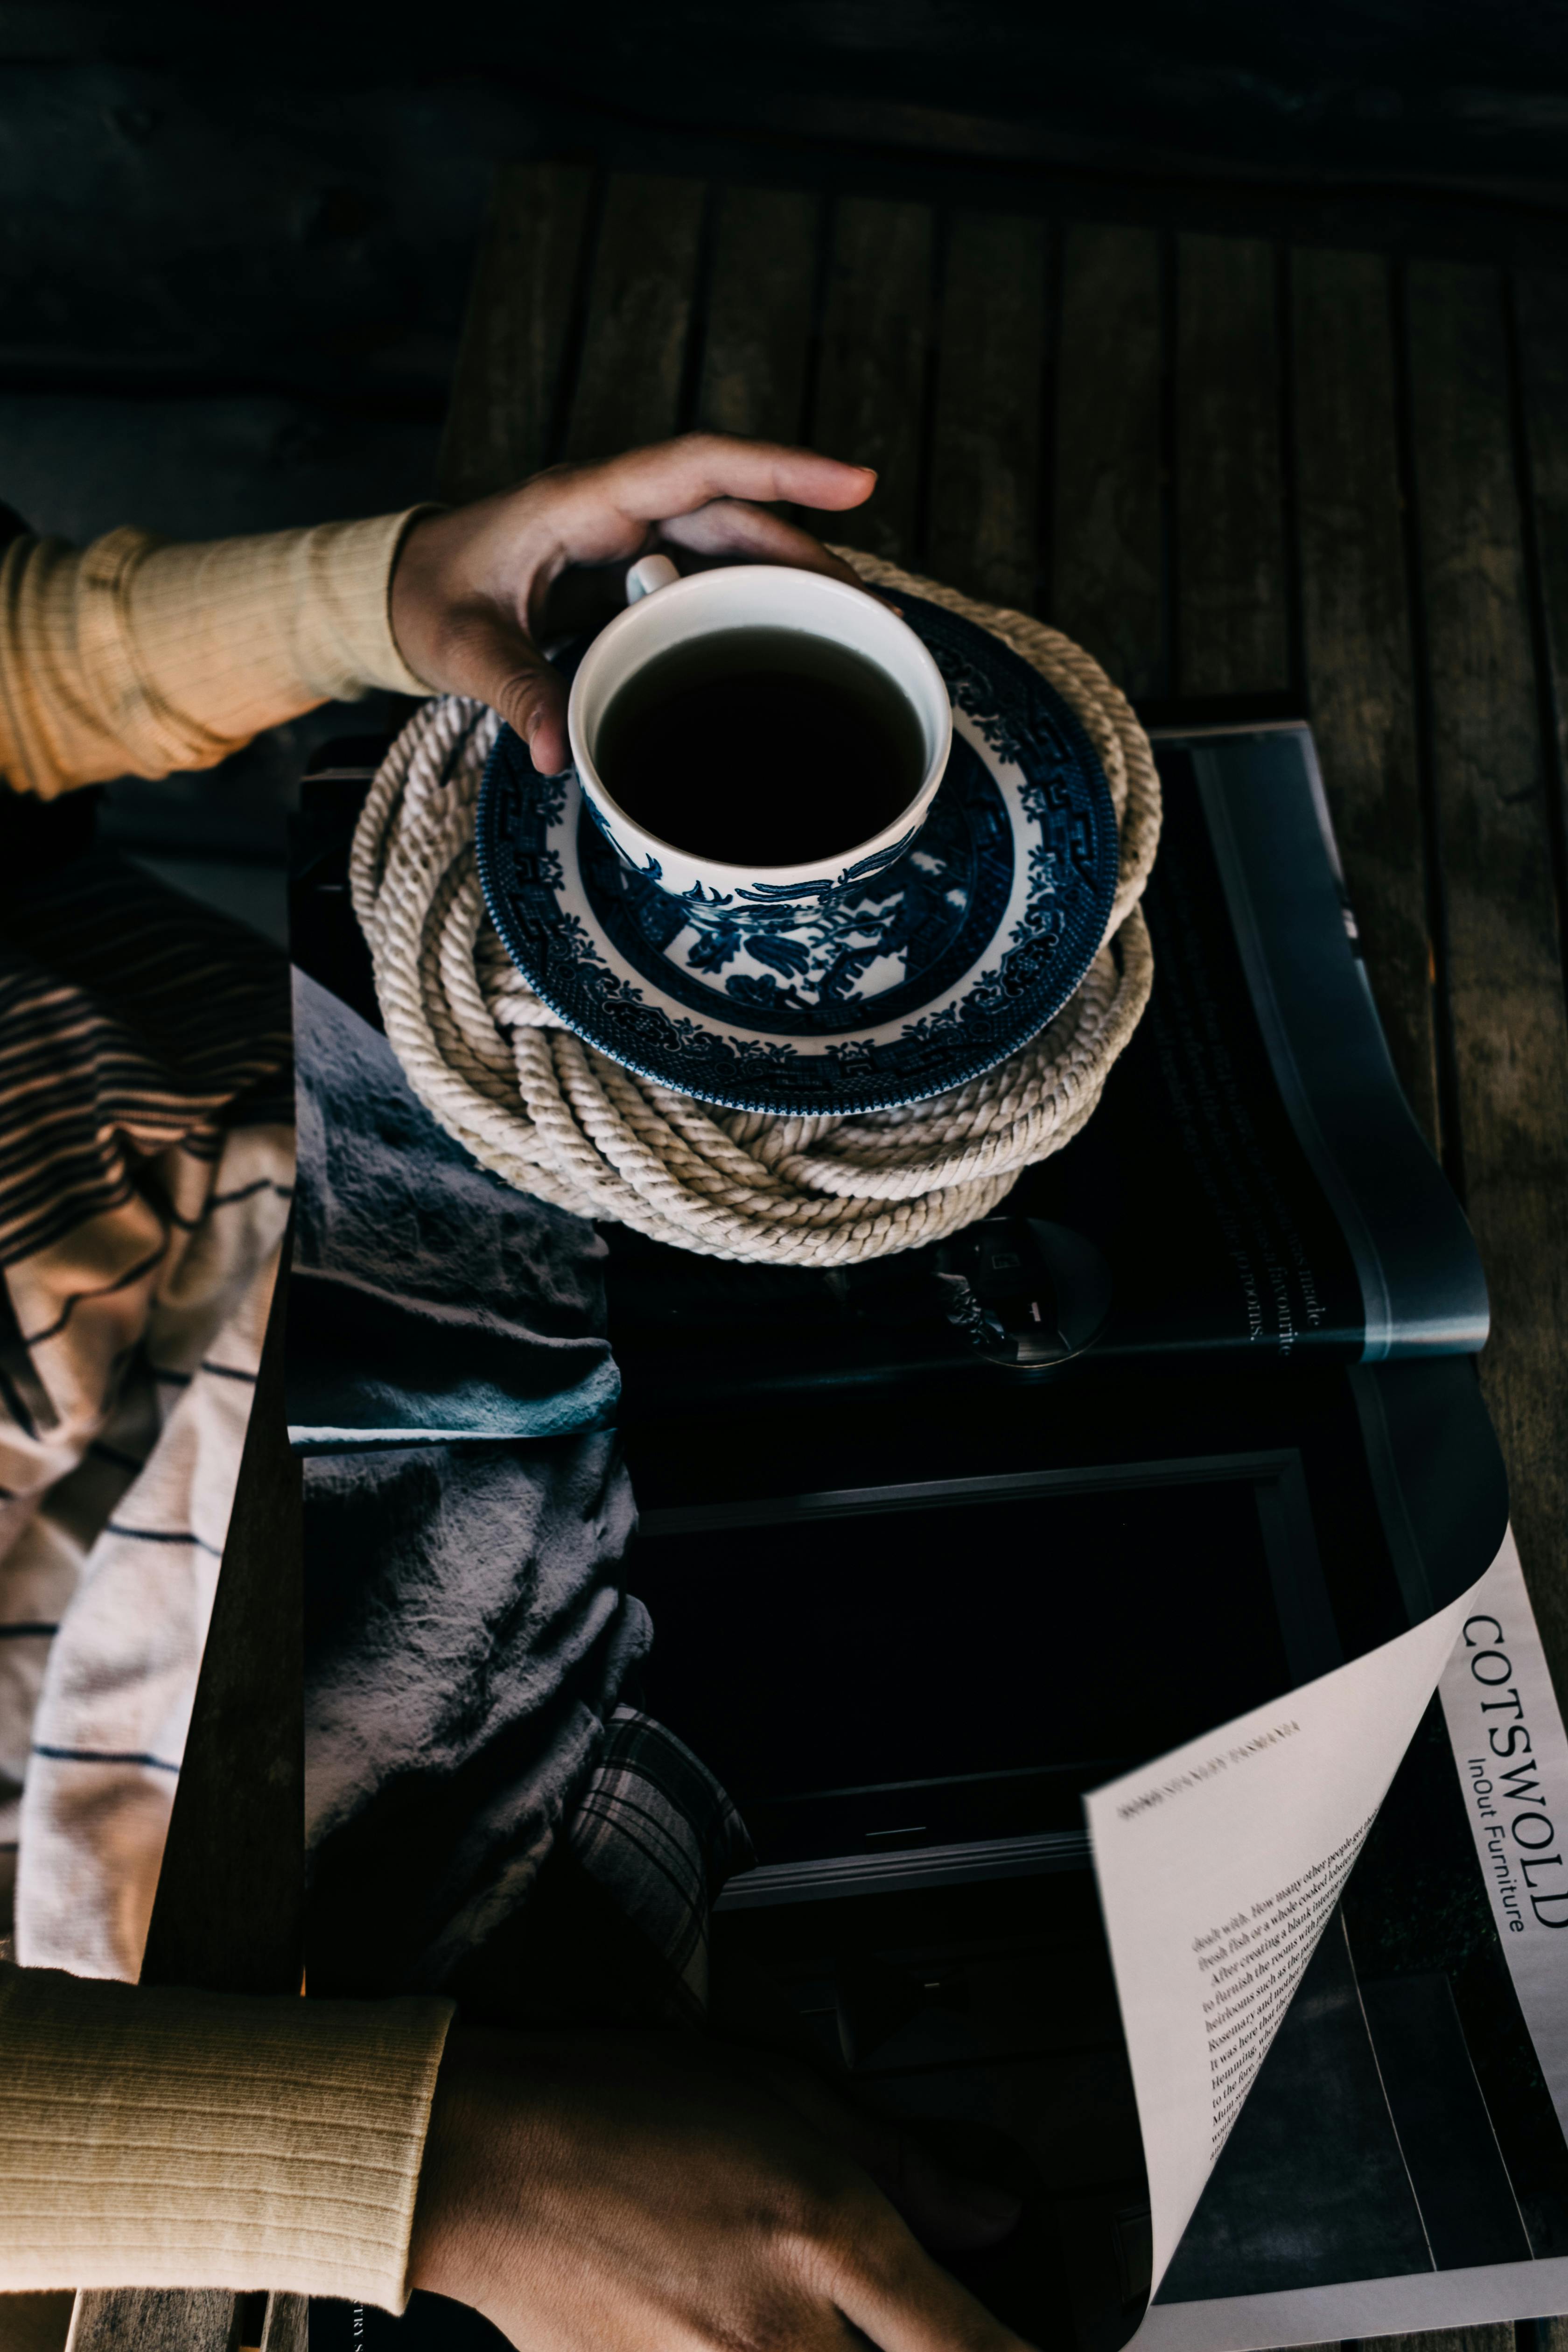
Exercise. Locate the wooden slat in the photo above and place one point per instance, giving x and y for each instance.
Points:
(869, 398)
(505, 388)
(287, 2327)
(1497, 2338)
(229, 1911)
(230, 1908)
(1356, 625)
(147, 2319)
(984, 531)
(1108, 503)
(640, 315)
(1232, 627)
(760, 313)
(1504, 968)
(1542, 313)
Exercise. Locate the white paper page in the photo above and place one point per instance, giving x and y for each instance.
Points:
(1526, 1874)
(1219, 1866)
(1513, 1756)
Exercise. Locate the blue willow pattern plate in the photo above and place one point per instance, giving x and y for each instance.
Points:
(936, 969)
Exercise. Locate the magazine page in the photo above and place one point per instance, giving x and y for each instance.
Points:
(1219, 1867)
(1251, 1187)
(1511, 1752)
(1396, 2159)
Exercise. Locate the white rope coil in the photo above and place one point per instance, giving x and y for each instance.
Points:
(554, 1117)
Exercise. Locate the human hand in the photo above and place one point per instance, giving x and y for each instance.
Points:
(619, 2191)
(470, 588)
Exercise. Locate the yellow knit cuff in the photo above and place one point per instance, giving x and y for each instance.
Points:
(156, 2137)
(138, 656)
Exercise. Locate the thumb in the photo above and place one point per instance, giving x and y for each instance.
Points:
(483, 653)
(530, 696)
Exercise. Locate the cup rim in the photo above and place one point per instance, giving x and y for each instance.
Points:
(911, 813)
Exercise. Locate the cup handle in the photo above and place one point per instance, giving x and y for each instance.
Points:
(648, 573)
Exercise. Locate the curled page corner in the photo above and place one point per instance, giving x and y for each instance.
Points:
(1219, 1865)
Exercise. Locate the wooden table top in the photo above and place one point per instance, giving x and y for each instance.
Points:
(1256, 480)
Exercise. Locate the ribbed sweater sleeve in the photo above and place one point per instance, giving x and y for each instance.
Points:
(138, 656)
(153, 2137)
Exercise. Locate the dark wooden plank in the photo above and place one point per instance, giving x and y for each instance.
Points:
(1107, 500)
(1499, 2337)
(286, 2325)
(1541, 307)
(869, 397)
(984, 531)
(503, 407)
(1231, 625)
(640, 315)
(760, 313)
(230, 1904)
(1504, 969)
(149, 2319)
(1356, 628)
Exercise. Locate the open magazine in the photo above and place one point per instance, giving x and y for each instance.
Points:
(1151, 1766)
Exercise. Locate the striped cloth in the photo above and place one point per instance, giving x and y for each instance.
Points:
(145, 1174)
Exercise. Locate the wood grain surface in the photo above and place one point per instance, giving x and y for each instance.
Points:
(761, 308)
(1355, 603)
(1230, 553)
(1498, 2338)
(286, 2326)
(869, 398)
(640, 303)
(148, 2319)
(1540, 305)
(1107, 553)
(984, 531)
(503, 415)
(1503, 952)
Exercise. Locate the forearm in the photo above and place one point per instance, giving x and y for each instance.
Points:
(140, 657)
(152, 2137)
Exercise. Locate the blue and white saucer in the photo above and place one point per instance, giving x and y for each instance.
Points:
(937, 968)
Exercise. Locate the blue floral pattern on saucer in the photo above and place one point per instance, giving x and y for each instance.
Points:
(940, 963)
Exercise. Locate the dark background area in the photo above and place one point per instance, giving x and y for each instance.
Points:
(237, 243)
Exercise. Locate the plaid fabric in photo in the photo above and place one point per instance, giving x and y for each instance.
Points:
(654, 1828)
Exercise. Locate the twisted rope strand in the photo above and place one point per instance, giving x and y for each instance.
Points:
(553, 1116)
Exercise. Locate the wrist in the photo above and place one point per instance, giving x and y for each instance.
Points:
(469, 2117)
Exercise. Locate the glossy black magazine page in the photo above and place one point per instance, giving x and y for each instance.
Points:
(1252, 1184)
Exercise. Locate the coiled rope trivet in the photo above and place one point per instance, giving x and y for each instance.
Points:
(554, 1117)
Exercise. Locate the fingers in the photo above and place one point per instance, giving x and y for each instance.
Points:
(897, 2296)
(945, 2211)
(732, 527)
(481, 654)
(673, 476)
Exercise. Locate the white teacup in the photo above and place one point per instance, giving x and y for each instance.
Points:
(665, 611)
